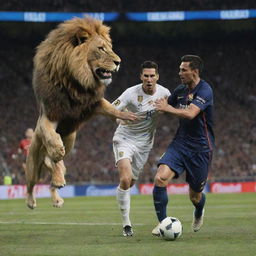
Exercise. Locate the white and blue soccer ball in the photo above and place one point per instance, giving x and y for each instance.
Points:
(170, 228)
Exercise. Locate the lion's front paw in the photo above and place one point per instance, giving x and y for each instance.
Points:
(58, 202)
(58, 184)
(58, 179)
(31, 201)
(56, 199)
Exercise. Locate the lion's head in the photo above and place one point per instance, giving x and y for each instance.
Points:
(77, 50)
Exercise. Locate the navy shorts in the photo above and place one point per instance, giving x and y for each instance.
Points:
(196, 165)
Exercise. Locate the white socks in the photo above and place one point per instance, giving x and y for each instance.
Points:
(123, 198)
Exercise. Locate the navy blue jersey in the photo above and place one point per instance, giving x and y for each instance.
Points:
(196, 134)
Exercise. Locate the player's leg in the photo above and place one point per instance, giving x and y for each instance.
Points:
(170, 166)
(130, 175)
(123, 194)
(197, 173)
(198, 199)
(123, 155)
(123, 190)
(163, 176)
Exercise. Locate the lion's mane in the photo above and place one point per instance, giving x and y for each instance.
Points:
(65, 81)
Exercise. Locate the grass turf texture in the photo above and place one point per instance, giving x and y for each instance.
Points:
(91, 226)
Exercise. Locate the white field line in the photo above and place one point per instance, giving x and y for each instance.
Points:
(65, 223)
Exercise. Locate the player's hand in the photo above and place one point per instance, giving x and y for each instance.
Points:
(161, 104)
(123, 122)
(128, 116)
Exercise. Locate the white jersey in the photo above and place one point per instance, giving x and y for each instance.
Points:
(141, 132)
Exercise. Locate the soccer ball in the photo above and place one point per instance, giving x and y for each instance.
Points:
(170, 228)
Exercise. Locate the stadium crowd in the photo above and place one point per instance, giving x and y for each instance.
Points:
(123, 6)
(228, 65)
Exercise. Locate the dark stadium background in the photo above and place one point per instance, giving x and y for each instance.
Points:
(227, 47)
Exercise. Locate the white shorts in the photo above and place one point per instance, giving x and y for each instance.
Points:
(123, 149)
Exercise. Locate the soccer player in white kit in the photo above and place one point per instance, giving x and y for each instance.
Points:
(133, 141)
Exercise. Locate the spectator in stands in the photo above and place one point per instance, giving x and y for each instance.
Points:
(24, 147)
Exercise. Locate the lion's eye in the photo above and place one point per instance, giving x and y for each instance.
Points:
(83, 39)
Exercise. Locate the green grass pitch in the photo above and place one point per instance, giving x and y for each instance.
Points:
(92, 226)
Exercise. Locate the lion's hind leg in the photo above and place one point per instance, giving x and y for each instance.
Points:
(33, 165)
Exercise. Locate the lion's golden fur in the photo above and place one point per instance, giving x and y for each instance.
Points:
(63, 71)
(69, 89)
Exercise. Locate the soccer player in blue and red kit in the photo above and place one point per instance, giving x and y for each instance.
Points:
(192, 146)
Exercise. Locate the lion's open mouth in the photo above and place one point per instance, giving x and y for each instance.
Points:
(104, 73)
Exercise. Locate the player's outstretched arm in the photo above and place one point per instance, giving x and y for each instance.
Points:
(190, 112)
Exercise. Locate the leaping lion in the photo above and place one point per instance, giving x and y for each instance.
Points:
(72, 67)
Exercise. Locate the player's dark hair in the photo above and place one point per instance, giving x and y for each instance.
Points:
(149, 64)
(195, 62)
